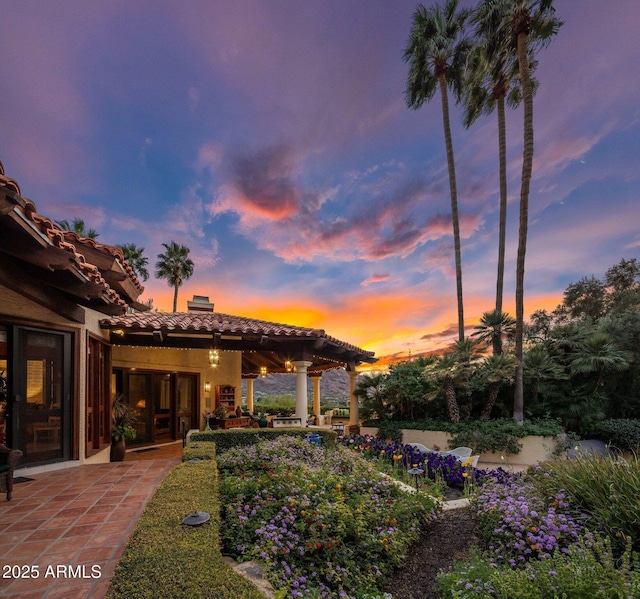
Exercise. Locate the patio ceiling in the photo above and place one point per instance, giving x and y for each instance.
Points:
(262, 343)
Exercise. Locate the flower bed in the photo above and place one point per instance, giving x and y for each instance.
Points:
(540, 540)
(396, 459)
(323, 523)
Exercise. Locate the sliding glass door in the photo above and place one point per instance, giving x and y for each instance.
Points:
(40, 405)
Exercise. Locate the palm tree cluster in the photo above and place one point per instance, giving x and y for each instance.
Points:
(486, 57)
(578, 369)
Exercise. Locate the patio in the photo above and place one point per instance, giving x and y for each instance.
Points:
(76, 518)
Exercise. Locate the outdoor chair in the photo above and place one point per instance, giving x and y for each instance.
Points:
(462, 453)
(8, 460)
(421, 447)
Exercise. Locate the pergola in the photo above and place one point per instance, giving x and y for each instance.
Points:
(266, 346)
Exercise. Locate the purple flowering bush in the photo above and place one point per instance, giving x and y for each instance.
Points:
(537, 543)
(519, 526)
(322, 521)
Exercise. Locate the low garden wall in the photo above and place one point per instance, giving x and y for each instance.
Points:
(534, 449)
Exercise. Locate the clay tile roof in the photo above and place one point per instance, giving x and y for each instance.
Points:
(70, 242)
(113, 251)
(216, 322)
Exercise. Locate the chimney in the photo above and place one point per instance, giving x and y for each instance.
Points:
(199, 303)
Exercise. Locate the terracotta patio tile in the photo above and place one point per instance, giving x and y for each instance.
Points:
(110, 539)
(115, 526)
(37, 594)
(31, 547)
(58, 521)
(76, 591)
(90, 519)
(27, 524)
(57, 557)
(96, 555)
(70, 512)
(83, 530)
(66, 543)
(46, 534)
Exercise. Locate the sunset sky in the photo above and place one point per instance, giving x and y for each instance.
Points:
(273, 139)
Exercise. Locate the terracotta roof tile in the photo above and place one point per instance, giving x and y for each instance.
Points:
(69, 243)
(216, 322)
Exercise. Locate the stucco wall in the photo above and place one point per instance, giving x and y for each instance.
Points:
(534, 449)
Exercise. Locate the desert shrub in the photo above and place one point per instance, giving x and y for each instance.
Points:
(622, 434)
(585, 571)
(600, 486)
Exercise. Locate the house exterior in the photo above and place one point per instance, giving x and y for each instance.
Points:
(73, 334)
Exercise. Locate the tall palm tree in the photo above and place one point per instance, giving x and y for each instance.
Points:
(436, 54)
(492, 81)
(493, 326)
(531, 25)
(175, 266)
(78, 227)
(133, 256)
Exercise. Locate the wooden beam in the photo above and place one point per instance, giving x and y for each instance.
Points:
(25, 285)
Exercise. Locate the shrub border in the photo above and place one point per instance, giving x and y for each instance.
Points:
(164, 559)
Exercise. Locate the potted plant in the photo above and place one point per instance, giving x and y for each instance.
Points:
(122, 420)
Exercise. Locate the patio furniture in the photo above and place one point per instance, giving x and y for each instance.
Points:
(338, 427)
(286, 421)
(462, 453)
(421, 447)
(8, 460)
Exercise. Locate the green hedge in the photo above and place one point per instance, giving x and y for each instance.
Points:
(242, 437)
(204, 450)
(164, 559)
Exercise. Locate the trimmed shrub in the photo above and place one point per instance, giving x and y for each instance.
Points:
(164, 559)
(204, 450)
(621, 434)
(243, 437)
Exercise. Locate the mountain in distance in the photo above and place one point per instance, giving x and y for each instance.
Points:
(334, 385)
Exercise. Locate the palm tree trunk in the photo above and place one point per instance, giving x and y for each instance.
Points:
(527, 163)
(452, 402)
(454, 200)
(502, 151)
(494, 388)
(175, 298)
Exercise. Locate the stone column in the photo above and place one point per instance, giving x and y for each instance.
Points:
(250, 394)
(354, 413)
(316, 395)
(301, 389)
